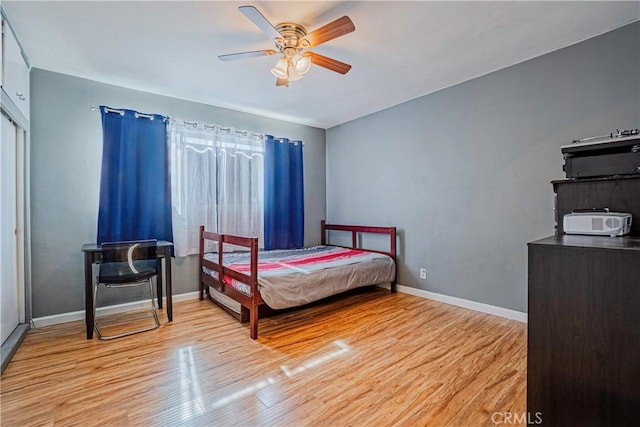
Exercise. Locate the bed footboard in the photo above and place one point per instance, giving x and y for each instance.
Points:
(249, 302)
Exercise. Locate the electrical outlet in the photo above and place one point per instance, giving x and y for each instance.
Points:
(423, 273)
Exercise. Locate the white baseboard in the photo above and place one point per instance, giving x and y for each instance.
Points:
(55, 319)
(464, 303)
(519, 316)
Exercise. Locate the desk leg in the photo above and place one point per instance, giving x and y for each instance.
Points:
(167, 269)
(159, 283)
(88, 294)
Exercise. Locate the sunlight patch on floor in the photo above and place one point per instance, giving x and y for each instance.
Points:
(281, 376)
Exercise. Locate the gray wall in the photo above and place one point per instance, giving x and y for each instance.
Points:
(464, 172)
(66, 150)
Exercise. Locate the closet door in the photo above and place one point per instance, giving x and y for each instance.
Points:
(9, 295)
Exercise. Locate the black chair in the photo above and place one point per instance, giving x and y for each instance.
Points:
(126, 264)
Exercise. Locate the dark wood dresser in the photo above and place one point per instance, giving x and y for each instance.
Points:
(583, 358)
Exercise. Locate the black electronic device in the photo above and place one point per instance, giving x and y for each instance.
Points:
(617, 155)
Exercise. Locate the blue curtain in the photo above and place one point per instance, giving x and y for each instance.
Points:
(135, 192)
(283, 194)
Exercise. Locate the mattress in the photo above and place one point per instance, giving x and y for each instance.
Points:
(289, 278)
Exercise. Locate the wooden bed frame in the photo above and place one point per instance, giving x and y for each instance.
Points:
(251, 303)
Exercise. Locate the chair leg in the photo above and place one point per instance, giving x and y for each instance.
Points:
(153, 305)
(95, 300)
(124, 334)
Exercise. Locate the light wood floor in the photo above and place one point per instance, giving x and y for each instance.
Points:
(370, 359)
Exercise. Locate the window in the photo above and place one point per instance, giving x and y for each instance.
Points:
(216, 181)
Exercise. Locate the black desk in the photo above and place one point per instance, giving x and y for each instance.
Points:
(93, 255)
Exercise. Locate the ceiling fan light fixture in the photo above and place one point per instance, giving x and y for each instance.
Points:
(301, 63)
(293, 74)
(291, 41)
(280, 69)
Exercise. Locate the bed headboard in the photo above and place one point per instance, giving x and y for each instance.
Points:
(356, 229)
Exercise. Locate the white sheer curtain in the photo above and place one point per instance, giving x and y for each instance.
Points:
(240, 183)
(216, 181)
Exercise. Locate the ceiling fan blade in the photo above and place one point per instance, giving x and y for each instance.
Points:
(328, 63)
(243, 55)
(332, 30)
(281, 82)
(261, 22)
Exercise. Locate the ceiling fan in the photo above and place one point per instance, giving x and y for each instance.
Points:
(291, 41)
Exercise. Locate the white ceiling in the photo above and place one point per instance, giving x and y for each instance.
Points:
(399, 50)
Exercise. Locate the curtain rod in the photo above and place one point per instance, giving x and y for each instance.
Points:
(121, 112)
(194, 124)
